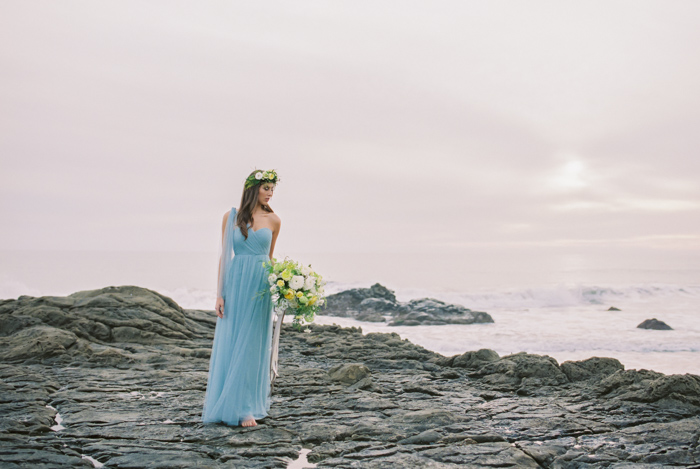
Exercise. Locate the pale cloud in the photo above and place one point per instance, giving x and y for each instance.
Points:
(649, 205)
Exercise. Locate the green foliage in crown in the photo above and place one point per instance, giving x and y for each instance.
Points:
(260, 177)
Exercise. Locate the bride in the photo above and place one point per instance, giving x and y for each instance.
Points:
(238, 384)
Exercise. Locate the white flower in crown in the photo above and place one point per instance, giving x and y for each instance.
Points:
(309, 283)
(272, 279)
(296, 282)
(306, 270)
(258, 175)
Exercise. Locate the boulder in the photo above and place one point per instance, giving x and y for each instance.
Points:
(374, 304)
(624, 381)
(106, 315)
(650, 386)
(522, 369)
(471, 360)
(432, 312)
(655, 324)
(36, 342)
(593, 368)
(349, 373)
(683, 388)
(348, 303)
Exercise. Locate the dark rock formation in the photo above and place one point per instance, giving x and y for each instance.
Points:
(472, 359)
(376, 303)
(594, 368)
(655, 324)
(612, 308)
(431, 312)
(125, 368)
(348, 303)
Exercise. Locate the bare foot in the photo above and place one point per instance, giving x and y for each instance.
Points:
(249, 422)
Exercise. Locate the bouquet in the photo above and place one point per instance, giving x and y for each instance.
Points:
(295, 288)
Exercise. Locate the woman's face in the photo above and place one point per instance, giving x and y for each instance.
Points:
(265, 192)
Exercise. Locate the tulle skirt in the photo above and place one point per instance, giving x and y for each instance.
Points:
(238, 385)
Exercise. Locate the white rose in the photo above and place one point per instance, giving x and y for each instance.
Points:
(258, 175)
(272, 279)
(309, 283)
(306, 270)
(296, 282)
(273, 288)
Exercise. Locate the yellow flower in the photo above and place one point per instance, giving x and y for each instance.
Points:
(287, 274)
(280, 283)
(300, 294)
(289, 295)
(312, 300)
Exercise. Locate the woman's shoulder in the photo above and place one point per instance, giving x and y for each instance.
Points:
(275, 220)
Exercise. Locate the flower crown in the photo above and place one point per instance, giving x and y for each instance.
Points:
(261, 176)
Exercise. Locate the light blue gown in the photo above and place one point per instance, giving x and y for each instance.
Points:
(238, 386)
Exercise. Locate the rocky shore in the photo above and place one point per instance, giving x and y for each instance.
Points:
(116, 378)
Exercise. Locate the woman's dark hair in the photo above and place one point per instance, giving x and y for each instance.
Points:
(249, 200)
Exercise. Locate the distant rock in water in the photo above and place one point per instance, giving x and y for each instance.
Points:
(432, 312)
(351, 303)
(655, 324)
(374, 303)
(612, 308)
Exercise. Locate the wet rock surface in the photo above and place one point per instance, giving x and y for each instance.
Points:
(377, 303)
(119, 374)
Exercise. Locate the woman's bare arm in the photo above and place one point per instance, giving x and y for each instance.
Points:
(276, 224)
(223, 231)
(219, 307)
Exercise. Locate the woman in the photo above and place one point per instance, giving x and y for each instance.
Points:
(238, 387)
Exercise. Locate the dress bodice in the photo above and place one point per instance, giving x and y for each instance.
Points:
(258, 242)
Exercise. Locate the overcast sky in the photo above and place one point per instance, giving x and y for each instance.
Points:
(394, 126)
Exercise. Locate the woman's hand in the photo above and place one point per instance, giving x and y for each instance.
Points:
(219, 308)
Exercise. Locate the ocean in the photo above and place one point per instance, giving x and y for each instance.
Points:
(553, 307)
